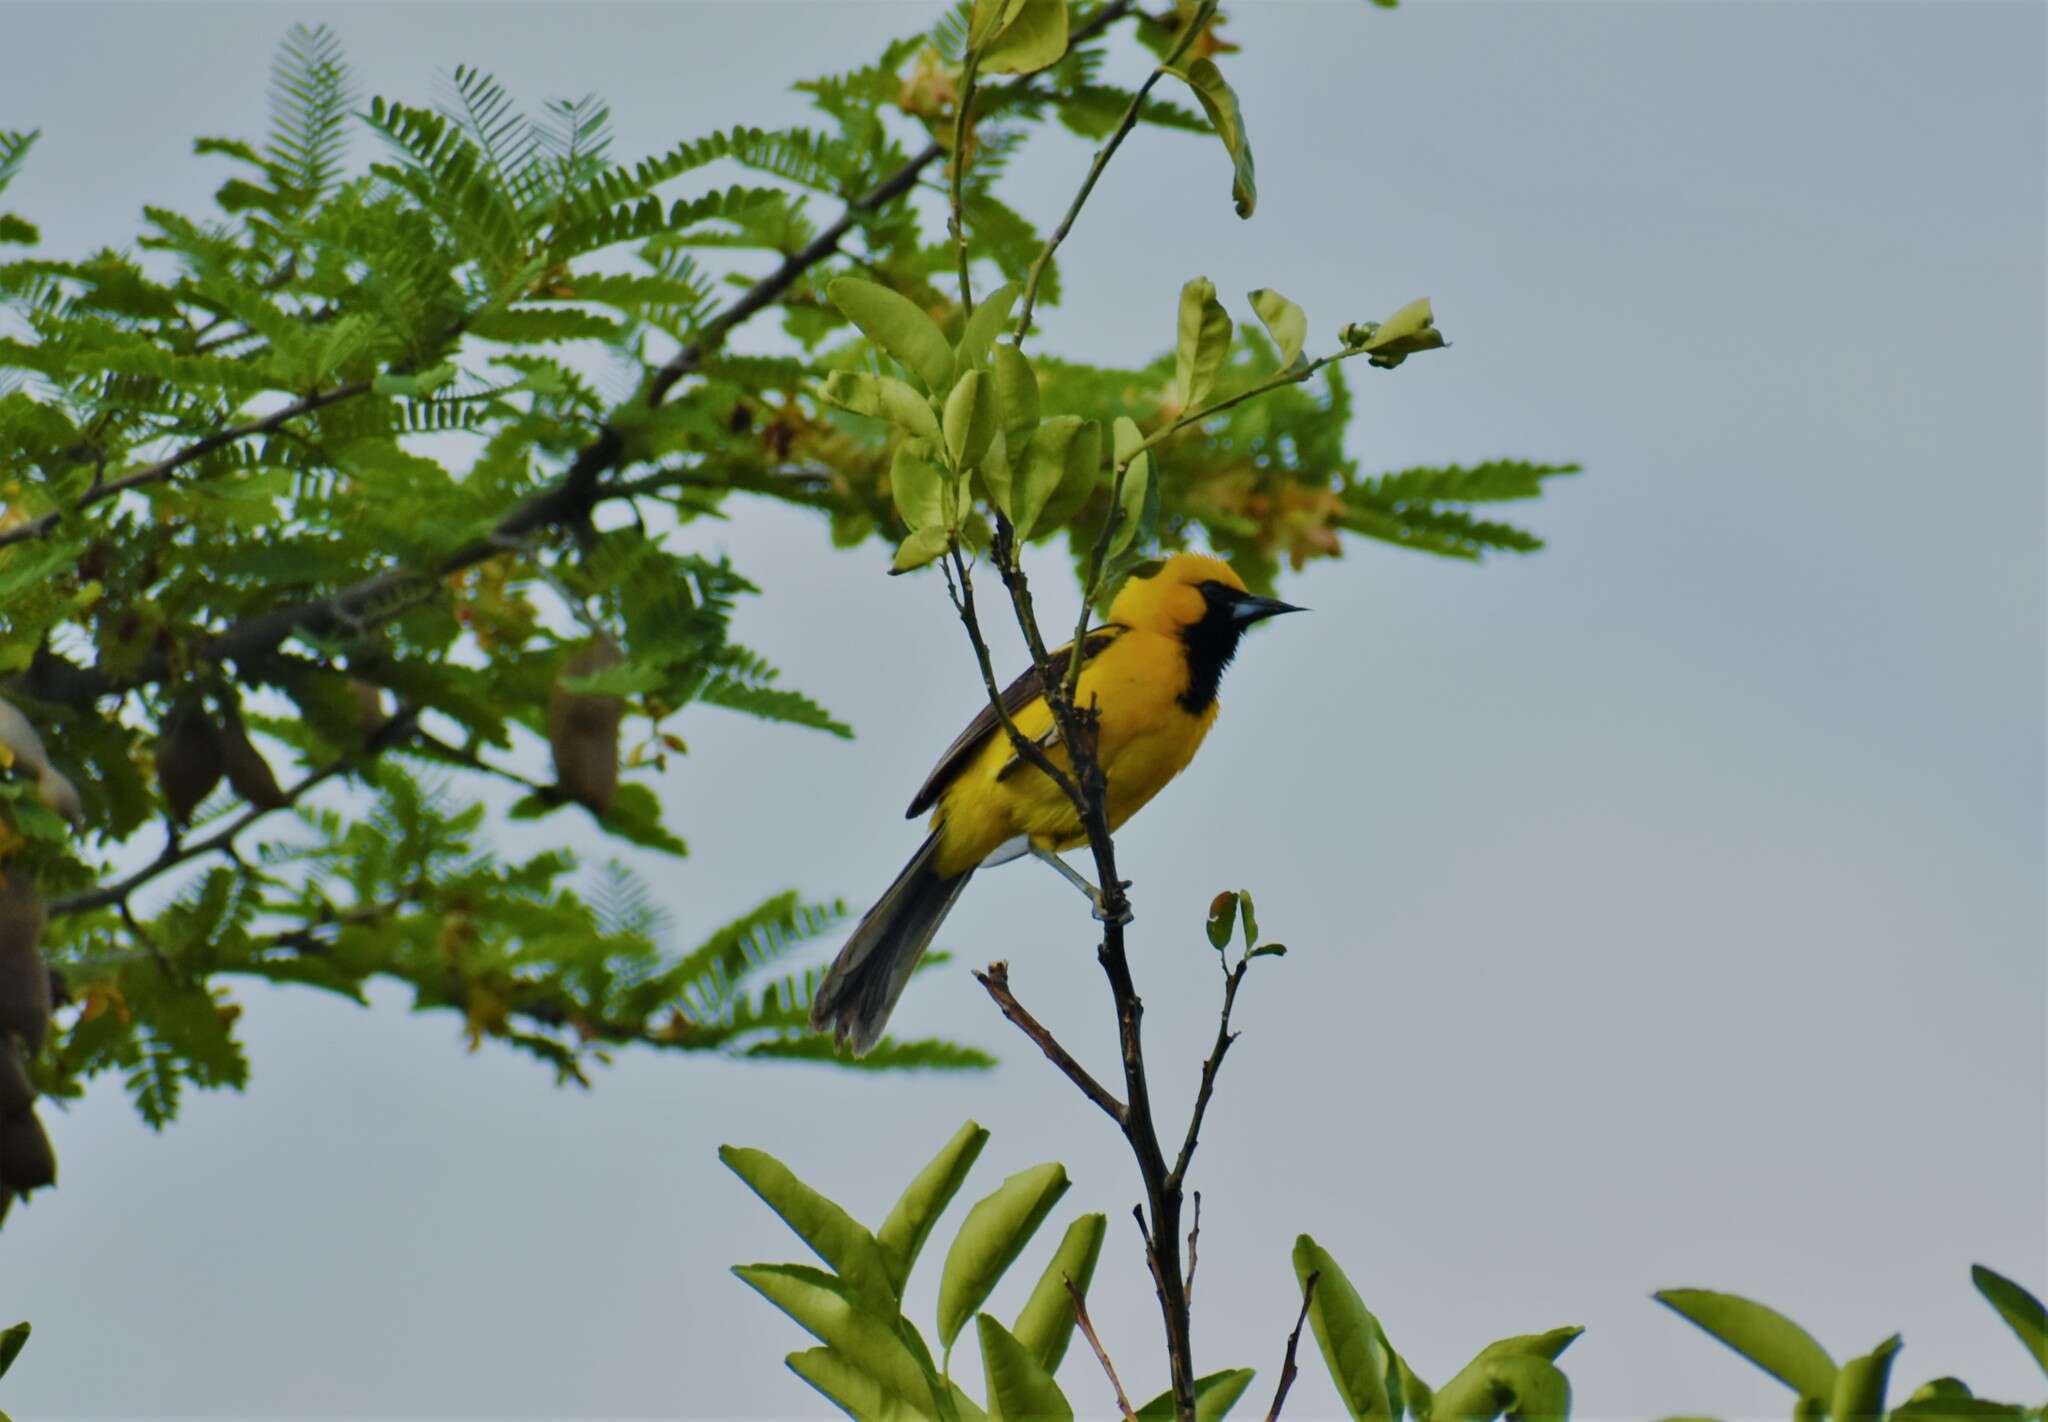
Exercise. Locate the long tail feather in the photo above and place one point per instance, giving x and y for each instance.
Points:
(859, 992)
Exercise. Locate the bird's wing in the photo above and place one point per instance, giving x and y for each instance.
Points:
(1016, 696)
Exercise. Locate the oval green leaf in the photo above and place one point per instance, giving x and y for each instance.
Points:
(917, 486)
(1051, 455)
(1215, 1395)
(1035, 37)
(1763, 1335)
(902, 1235)
(1219, 102)
(1046, 1325)
(2021, 1311)
(833, 1235)
(896, 324)
(1016, 391)
(881, 397)
(1018, 1388)
(993, 1234)
(1345, 1331)
(1222, 919)
(971, 420)
(922, 547)
(1860, 1385)
(981, 329)
(824, 1308)
(1411, 329)
(11, 1344)
(854, 1390)
(1203, 341)
(1285, 322)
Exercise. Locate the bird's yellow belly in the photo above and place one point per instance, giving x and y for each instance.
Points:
(1146, 739)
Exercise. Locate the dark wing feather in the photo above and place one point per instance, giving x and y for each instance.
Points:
(1016, 696)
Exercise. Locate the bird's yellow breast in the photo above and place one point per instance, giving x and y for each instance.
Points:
(1147, 737)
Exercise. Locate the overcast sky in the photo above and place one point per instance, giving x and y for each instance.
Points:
(1666, 908)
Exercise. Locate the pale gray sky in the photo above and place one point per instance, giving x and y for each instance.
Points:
(1666, 908)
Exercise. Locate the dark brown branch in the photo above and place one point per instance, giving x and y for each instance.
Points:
(1224, 1037)
(1123, 1401)
(996, 982)
(1308, 1291)
(222, 841)
(164, 468)
(1194, 1233)
(960, 584)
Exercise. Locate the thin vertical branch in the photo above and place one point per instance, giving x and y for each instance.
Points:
(1308, 1291)
(1123, 1402)
(959, 215)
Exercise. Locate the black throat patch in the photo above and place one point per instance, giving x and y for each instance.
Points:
(1211, 643)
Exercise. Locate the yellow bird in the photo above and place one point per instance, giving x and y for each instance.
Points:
(1151, 672)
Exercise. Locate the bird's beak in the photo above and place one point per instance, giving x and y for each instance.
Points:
(1249, 609)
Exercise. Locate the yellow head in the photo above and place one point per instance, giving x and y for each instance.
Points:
(1202, 603)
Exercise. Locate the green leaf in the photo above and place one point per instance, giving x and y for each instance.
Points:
(1046, 1325)
(1860, 1385)
(860, 1394)
(1251, 919)
(1064, 447)
(1411, 329)
(1219, 102)
(1016, 392)
(990, 1239)
(918, 1208)
(922, 547)
(971, 420)
(1018, 1388)
(2021, 1311)
(826, 1310)
(893, 322)
(1764, 1336)
(1204, 340)
(1222, 919)
(1285, 322)
(1522, 1386)
(1136, 462)
(1215, 1395)
(1345, 1331)
(881, 397)
(980, 330)
(918, 487)
(1035, 37)
(11, 1344)
(833, 1235)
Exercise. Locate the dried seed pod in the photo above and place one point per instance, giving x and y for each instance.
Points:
(57, 793)
(26, 1160)
(188, 759)
(248, 771)
(583, 729)
(16, 1090)
(24, 977)
(370, 714)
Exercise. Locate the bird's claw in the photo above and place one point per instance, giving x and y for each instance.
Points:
(1102, 911)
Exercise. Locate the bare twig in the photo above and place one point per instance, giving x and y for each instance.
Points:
(1308, 1291)
(1194, 1233)
(996, 982)
(960, 585)
(163, 469)
(1123, 1402)
(1224, 1037)
(1102, 157)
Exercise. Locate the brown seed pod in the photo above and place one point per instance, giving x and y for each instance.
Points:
(370, 714)
(24, 977)
(16, 1090)
(248, 771)
(188, 759)
(26, 1160)
(19, 736)
(57, 793)
(583, 729)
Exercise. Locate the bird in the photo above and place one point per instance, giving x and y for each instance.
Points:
(1150, 672)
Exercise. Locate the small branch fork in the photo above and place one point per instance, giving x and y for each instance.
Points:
(1123, 1402)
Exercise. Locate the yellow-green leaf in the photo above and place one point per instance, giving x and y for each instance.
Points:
(826, 1310)
(833, 1235)
(2021, 1311)
(896, 324)
(1034, 37)
(1064, 447)
(1219, 102)
(1215, 1395)
(971, 419)
(922, 547)
(1860, 1385)
(1046, 1325)
(917, 485)
(1016, 391)
(1346, 1332)
(1204, 340)
(1407, 331)
(993, 1234)
(882, 397)
(856, 1391)
(1136, 463)
(902, 1235)
(1019, 1390)
(979, 331)
(1763, 1335)
(1285, 322)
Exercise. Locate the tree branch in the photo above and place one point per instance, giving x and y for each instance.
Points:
(1123, 1402)
(1224, 1037)
(164, 468)
(1308, 1291)
(996, 981)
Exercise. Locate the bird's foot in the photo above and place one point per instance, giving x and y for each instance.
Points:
(1102, 914)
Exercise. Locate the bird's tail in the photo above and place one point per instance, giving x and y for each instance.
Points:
(858, 993)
